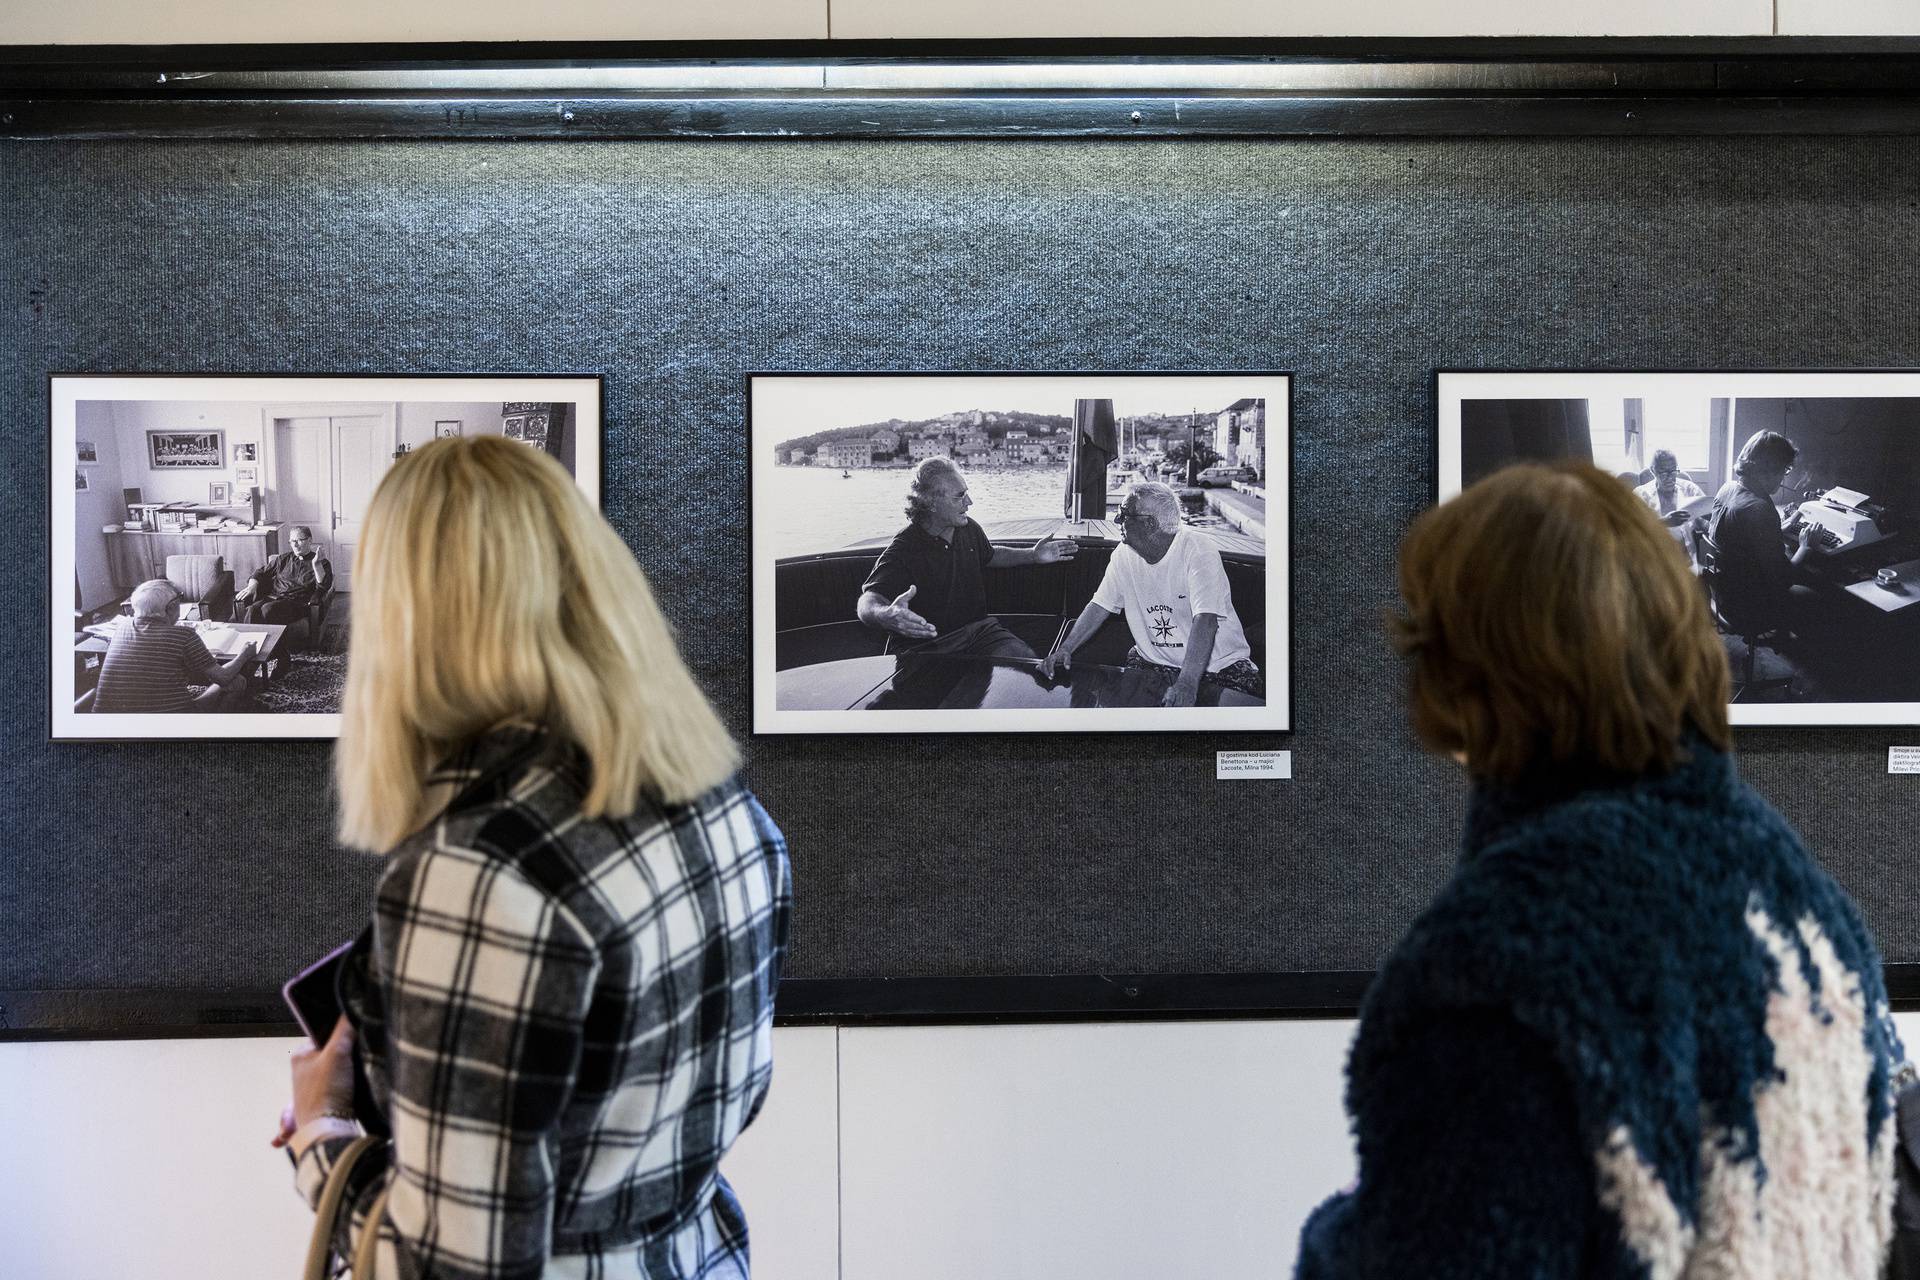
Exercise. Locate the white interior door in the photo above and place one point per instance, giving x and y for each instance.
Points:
(302, 478)
(360, 458)
(325, 471)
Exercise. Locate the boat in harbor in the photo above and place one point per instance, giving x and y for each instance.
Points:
(814, 659)
(826, 659)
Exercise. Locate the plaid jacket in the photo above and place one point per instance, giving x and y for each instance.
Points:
(566, 1022)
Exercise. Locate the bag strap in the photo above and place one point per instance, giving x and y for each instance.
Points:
(369, 1246)
(320, 1245)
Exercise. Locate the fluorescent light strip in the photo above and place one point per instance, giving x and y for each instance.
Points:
(1265, 77)
(1226, 75)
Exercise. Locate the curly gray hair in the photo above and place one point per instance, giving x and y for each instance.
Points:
(925, 476)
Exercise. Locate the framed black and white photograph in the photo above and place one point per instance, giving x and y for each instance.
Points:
(1795, 497)
(446, 429)
(266, 586)
(181, 450)
(954, 552)
(80, 484)
(86, 453)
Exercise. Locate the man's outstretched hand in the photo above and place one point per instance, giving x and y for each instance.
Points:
(1050, 549)
(903, 621)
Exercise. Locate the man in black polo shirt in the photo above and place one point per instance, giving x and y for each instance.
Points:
(928, 587)
(282, 588)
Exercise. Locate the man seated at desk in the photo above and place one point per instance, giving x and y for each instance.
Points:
(152, 664)
(283, 587)
(1171, 583)
(1755, 571)
(928, 588)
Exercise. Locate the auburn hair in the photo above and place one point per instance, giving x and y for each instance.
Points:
(1551, 619)
(487, 590)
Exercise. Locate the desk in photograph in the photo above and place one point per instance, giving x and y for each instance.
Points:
(135, 556)
(1901, 594)
(92, 644)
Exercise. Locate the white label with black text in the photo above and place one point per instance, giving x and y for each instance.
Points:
(1252, 764)
(1903, 759)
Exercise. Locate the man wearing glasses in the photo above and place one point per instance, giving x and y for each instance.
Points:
(152, 665)
(1669, 493)
(282, 588)
(1171, 584)
(1757, 587)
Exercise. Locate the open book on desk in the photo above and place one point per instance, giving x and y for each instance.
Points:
(223, 640)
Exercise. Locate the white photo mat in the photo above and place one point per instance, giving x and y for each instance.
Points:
(1453, 388)
(784, 406)
(260, 400)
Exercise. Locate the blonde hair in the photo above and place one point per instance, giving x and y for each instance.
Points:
(1552, 618)
(487, 589)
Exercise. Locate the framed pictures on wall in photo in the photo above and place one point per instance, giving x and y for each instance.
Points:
(310, 452)
(1046, 552)
(1793, 496)
(178, 450)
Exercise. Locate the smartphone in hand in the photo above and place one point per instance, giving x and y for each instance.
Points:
(313, 994)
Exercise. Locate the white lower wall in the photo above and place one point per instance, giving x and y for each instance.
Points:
(1061, 1151)
(1122, 1152)
(1101, 1151)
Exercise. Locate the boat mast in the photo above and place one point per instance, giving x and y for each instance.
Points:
(1073, 467)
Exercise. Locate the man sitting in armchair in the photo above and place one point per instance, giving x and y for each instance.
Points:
(282, 588)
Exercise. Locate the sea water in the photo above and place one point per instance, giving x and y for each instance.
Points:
(807, 509)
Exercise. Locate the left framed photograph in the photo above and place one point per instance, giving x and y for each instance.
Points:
(1020, 553)
(169, 584)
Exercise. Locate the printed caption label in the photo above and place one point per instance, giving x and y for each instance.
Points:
(1252, 764)
(1903, 759)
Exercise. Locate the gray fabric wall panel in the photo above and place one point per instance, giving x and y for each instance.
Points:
(676, 267)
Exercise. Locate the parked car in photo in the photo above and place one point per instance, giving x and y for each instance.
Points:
(1224, 476)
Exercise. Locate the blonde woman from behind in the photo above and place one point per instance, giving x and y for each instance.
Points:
(563, 1004)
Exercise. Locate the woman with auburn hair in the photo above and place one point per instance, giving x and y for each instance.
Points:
(1639, 1033)
(563, 1006)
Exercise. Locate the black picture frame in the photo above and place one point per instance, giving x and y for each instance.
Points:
(253, 401)
(834, 652)
(1825, 678)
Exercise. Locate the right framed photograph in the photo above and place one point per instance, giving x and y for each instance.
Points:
(1794, 495)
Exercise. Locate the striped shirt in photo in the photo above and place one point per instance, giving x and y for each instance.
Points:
(150, 667)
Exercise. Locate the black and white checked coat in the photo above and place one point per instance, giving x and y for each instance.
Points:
(566, 1023)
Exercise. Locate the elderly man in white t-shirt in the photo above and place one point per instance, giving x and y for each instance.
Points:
(1673, 497)
(1169, 582)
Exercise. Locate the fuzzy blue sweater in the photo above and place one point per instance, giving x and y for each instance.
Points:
(1638, 1034)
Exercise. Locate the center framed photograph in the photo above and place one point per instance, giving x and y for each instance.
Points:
(220, 607)
(1020, 552)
